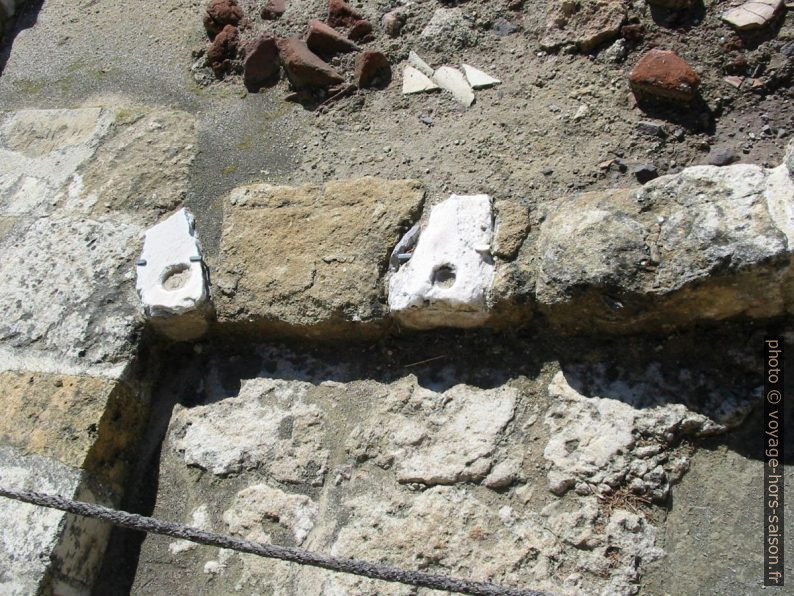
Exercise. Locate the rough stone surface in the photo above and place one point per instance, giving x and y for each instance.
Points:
(45, 550)
(256, 506)
(68, 296)
(372, 69)
(449, 29)
(261, 65)
(555, 480)
(41, 152)
(83, 422)
(325, 41)
(611, 429)
(141, 167)
(221, 13)
(311, 258)
(697, 245)
(447, 280)
(584, 25)
(304, 68)
(663, 74)
(275, 430)
(75, 188)
(436, 438)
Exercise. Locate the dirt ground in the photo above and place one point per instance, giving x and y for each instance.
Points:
(520, 140)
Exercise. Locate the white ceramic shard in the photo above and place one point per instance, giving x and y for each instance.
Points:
(451, 270)
(452, 80)
(477, 78)
(419, 64)
(753, 15)
(416, 82)
(171, 277)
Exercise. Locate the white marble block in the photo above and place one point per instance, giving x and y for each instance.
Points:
(446, 281)
(171, 277)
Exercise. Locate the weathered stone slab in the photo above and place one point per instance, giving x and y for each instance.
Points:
(84, 422)
(40, 154)
(699, 245)
(585, 25)
(46, 551)
(309, 260)
(68, 297)
(437, 438)
(94, 160)
(141, 167)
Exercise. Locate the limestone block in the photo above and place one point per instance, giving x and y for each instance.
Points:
(447, 280)
(83, 422)
(94, 160)
(68, 297)
(705, 244)
(309, 260)
(46, 551)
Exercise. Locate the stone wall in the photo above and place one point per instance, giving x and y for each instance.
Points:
(498, 457)
(77, 188)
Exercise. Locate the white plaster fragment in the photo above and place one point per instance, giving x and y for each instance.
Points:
(445, 284)
(169, 282)
(452, 80)
(419, 64)
(416, 82)
(477, 78)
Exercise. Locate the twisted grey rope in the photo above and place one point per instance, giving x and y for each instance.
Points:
(294, 555)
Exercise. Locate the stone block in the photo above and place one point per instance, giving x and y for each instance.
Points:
(309, 260)
(85, 423)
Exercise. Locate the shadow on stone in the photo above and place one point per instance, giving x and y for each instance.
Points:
(753, 38)
(697, 117)
(672, 18)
